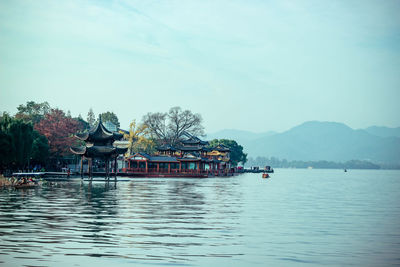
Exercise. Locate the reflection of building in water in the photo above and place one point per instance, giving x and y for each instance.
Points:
(192, 157)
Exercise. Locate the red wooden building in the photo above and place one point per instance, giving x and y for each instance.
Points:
(192, 158)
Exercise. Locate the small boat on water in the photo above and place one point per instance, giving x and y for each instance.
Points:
(265, 175)
(24, 183)
(26, 186)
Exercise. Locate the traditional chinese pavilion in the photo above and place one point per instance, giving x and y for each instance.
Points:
(99, 143)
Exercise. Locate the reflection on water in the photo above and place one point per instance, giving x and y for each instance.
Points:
(295, 217)
(143, 220)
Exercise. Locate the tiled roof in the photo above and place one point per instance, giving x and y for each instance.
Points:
(97, 151)
(166, 148)
(144, 155)
(99, 133)
(222, 148)
(190, 148)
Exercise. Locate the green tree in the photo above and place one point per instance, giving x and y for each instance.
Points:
(111, 117)
(40, 148)
(236, 151)
(16, 140)
(32, 112)
(91, 118)
(6, 147)
(82, 124)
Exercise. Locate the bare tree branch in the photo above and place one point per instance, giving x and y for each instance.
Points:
(179, 121)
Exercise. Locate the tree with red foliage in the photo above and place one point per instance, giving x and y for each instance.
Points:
(59, 130)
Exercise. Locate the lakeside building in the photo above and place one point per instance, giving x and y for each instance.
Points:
(191, 158)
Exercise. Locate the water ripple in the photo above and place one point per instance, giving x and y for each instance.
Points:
(297, 217)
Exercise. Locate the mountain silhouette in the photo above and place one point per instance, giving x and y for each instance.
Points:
(315, 140)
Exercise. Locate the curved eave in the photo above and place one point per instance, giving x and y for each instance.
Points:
(78, 150)
(98, 151)
(82, 136)
(99, 133)
(223, 149)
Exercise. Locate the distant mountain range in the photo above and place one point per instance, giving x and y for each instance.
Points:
(315, 140)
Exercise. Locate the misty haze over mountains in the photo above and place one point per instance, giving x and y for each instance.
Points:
(314, 140)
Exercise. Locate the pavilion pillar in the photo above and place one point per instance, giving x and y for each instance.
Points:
(169, 167)
(115, 169)
(90, 167)
(109, 165)
(158, 167)
(109, 168)
(147, 168)
(81, 169)
(106, 168)
(198, 166)
(180, 166)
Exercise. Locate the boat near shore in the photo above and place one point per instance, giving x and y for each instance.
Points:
(26, 186)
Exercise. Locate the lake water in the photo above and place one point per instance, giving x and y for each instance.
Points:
(298, 217)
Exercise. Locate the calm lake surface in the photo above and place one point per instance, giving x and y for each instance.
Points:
(298, 217)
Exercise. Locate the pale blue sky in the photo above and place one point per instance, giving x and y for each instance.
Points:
(250, 65)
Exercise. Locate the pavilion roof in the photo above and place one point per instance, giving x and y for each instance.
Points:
(166, 148)
(190, 148)
(98, 151)
(215, 153)
(150, 158)
(99, 133)
(222, 148)
(193, 140)
(140, 154)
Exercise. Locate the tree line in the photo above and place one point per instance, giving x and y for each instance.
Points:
(321, 164)
(39, 135)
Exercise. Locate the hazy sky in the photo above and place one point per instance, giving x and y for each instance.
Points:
(250, 65)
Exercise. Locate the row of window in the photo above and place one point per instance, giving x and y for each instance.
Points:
(163, 165)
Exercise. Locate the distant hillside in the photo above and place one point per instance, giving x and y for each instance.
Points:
(314, 140)
(244, 138)
(238, 134)
(384, 131)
